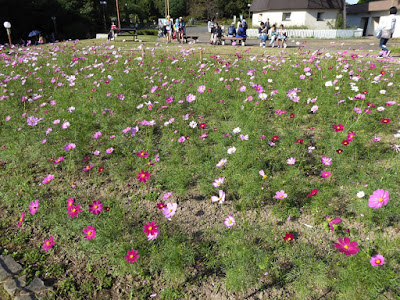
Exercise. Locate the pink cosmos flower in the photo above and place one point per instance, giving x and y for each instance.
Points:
(170, 210)
(48, 244)
(69, 147)
(167, 195)
(218, 182)
(229, 221)
(190, 98)
(181, 139)
(97, 135)
(74, 211)
(314, 109)
(325, 174)
(65, 125)
(58, 160)
(221, 163)
(262, 173)
(88, 168)
(291, 161)
(347, 247)
(48, 178)
(89, 232)
(33, 207)
(96, 207)
(110, 150)
(220, 198)
(201, 88)
(280, 195)
(21, 219)
(332, 222)
(377, 260)
(378, 199)
(327, 161)
(132, 256)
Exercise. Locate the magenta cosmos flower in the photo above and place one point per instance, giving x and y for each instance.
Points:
(21, 219)
(143, 176)
(110, 150)
(132, 256)
(280, 195)
(229, 221)
(48, 244)
(150, 228)
(377, 260)
(96, 207)
(97, 135)
(33, 207)
(170, 210)
(69, 147)
(332, 222)
(89, 232)
(347, 247)
(325, 174)
(378, 199)
(74, 211)
(48, 178)
(327, 161)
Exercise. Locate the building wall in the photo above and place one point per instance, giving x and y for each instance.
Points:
(371, 22)
(297, 18)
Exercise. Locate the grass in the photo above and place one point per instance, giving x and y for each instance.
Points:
(115, 86)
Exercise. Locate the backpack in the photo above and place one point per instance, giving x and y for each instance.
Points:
(244, 23)
(231, 30)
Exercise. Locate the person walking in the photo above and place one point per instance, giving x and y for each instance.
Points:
(388, 30)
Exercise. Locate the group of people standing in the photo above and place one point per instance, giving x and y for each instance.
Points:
(274, 34)
(174, 30)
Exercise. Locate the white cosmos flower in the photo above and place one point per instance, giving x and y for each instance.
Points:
(231, 150)
(360, 194)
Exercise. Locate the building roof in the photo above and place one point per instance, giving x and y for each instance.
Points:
(265, 5)
(371, 6)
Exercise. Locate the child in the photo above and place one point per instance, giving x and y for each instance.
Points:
(273, 36)
(282, 37)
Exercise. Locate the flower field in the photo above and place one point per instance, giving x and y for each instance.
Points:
(146, 173)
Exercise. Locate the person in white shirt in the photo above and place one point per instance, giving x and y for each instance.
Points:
(388, 29)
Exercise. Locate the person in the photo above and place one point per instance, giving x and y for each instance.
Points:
(273, 35)
(244, 24)
(175, 33)
(113, 31)
(241, 33)
(210, 25)
(216, 34)
(388, 30)
(181, 29)
(267, 25)
(232, 30)
(168, 28)
(281, 38)
(262, 34)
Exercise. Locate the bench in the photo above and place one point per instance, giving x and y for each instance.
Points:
(128, 32)
(233, 38)
(194, 38)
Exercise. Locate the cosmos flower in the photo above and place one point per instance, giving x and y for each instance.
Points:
(48, 244)
(96, 207)
(347, 247)
(229, 221)
(218, 182)
(33, 207)
(170, 210)
(132, 256)
(89, 232)
(47, 179)
(280, 195)
(288, 237)
(377, 260)
(220, 198)
(143, 176)
(221, 163)
(291, 161)
(378, 199)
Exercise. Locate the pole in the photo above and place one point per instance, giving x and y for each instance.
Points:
(9, 36)
(119, 21)
(104, 19)
(344, 14)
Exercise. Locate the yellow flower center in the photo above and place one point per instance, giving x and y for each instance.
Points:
(21, 219)
(289, 239)
(150, 228)
(280, 196)
(48, 243)
(89, 233)
(378, 261)
(95, 207)
(346, 247)
(380, 199)
(74, 210)
(219, 198)
(230, 221)
(131, 256)
(143, 175)
(265, 176)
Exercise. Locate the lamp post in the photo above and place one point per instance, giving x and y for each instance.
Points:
(104, 3)
(54, 23)
(249, 5)
(7, 26)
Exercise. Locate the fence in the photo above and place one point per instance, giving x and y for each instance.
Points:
(317, 33)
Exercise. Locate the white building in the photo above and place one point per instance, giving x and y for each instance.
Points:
(368, 16)
(310, 13)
